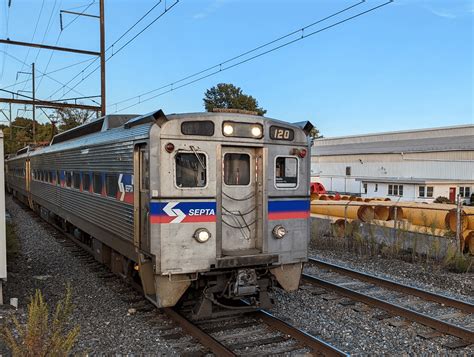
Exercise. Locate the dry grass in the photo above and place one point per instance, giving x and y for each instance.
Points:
(45, 333)
(402, 244)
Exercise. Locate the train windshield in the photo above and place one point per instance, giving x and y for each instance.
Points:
(286, 172)
(191, 170)
(237, 169)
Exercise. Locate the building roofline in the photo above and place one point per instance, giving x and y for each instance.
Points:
(396, 132)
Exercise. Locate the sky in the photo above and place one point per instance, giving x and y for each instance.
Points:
(406, 65)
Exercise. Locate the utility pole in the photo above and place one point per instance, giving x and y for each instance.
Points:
(34, 98)
(102, 57)
(11, 128)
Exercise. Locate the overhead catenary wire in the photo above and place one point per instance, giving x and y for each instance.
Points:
(7, 18)
(44, 74)
(50, 72)
(219, 65)
(219, 68)
(59, 36)
(32, 38)
(167, 9)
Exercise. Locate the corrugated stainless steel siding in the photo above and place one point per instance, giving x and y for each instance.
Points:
(105, 212)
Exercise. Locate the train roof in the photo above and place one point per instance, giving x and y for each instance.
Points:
(124, 127)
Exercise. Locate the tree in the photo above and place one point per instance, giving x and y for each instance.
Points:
(70, 118)
(315, 134)
(228, 96)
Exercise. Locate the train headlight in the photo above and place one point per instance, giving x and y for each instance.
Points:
(256, 131)
(228, 129)
(202, 235)
(279, 232)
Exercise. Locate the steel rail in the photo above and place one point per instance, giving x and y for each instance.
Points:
(206, 340)
(442, 326)
(391, 284)
(316, 344)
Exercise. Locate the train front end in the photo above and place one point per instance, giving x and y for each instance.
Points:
(228, 210)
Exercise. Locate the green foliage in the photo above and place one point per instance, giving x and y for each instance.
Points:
(228, 96)
(442, 199)
(21, 132)
(70, 118)
(45, 334)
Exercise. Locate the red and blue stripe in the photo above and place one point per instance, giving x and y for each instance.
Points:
(193, 212)
(288, 209)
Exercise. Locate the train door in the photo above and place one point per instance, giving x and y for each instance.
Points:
(240, 200)
(141, 197)
(28, 182)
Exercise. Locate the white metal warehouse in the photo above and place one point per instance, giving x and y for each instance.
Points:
(414, 165)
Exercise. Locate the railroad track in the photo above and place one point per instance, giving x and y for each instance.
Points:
(443, 314)
(258, 333)
(252, 334)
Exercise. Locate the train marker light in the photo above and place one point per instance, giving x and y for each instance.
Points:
(169, 147)
(257, 131)
(228, 129)
(302, 153)
(202, 235)
(279, 232)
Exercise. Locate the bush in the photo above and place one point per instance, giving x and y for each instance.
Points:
(442, 199)
(43, 335)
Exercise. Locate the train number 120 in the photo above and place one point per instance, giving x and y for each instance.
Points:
(279, 133)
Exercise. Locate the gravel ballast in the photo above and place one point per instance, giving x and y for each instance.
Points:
(362, 332)
(107, 326)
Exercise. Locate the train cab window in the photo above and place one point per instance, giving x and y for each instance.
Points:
(236, 169)
(68, 179)
(76, 180)
(97, 181)
(86, 181)
(286, 172)
(191, 170)
(111, 185)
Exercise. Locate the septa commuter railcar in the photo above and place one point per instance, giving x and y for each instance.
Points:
(212, 206)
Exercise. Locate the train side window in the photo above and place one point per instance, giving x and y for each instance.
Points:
(68, 178)
(111, 185)
(286, 172)
(52, 176)
(236, 169)
(191, 170)
(97, 181)
(58, 178)
(86, 181)
(76, 179)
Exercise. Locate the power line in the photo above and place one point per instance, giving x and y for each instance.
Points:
(43, 74)
(221, 69)
(115, 42)
(33, 37)
(61, 32)
(219, 65)
(51, 72)
(47, 29)
(77, 16)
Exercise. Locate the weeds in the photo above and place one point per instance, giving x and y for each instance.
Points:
(405, 243)
(44, 334)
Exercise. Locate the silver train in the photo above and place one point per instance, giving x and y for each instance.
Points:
(210, 208)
